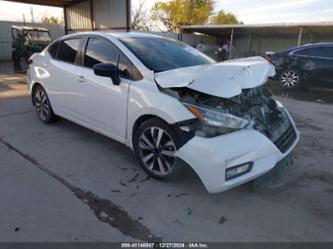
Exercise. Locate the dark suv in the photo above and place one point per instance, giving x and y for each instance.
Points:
(308, 64)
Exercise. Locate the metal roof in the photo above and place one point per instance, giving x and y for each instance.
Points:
(55, 3)
(280, 28)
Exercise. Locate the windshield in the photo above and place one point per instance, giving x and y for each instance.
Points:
(42, 36)
(161, 54)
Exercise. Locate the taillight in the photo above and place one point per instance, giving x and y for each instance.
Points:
(29, 61)
(268, 57)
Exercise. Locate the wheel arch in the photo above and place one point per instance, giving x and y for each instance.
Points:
(139, 121)
(294, 68)
(33, 89)
(183, 136)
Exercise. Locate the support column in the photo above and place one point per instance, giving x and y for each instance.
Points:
(311, 38)
(91, 15)
(65, 19)
(180, 34)
(249, 43)
(300, 33)
(231, 43)
(128, 15)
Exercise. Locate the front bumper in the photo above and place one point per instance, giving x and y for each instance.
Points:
(210, 157)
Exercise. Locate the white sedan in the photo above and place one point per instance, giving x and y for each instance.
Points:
(168, 102)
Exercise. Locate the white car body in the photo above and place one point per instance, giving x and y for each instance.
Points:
(79, 95)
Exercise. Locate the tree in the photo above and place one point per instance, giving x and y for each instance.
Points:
(176, 13)
(223, 17)
(140, 17)
(52, 20)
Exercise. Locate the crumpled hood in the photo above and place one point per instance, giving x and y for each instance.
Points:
(225, 79)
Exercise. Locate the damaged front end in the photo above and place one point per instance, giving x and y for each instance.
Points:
(254, 108)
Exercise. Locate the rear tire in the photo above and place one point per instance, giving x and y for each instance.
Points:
(43, 106)
(155, 144)
(291, 78)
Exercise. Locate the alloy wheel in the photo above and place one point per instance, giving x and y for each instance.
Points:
(290, 79)
(42, 104)
(157, 151)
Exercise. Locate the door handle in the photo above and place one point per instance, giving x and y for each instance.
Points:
(81, 79)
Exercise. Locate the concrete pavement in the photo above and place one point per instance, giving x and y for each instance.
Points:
(62, 182)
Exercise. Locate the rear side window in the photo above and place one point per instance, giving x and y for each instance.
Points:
(100, 51)
(325, 52)
(306, 51)
(68, 50)
(53, 49)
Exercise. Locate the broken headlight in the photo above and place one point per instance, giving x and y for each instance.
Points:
(213, 123)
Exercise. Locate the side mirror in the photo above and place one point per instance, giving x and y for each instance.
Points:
(107, 70)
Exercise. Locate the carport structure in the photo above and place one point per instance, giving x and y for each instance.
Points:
(88, 15)
(253, 39)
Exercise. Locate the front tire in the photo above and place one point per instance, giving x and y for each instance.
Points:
(290, 78)
(155, 144)
(43, 106)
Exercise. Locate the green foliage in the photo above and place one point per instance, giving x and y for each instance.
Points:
(176, 13)
(52, 20)
(223, 17)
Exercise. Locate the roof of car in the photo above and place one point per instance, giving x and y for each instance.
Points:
(131, 34)
(309, 45)
(315, 44)
(30, 28)
(115, 34)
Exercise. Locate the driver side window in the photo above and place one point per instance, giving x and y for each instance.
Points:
(100, 50)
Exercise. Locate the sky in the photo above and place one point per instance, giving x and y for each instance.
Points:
(281, 11)
(10, 11)
(247, 11)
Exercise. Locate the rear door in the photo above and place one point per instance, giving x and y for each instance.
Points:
(316, 64)
(325, 72)
(62, 69)
(99, 102)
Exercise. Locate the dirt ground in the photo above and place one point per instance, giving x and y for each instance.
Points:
(62, 182)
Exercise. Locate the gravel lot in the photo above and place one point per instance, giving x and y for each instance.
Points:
(63, 182)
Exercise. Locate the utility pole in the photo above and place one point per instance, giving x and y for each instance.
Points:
(23, 19)
(32, 14)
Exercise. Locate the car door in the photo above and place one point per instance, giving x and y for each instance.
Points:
(99, 102)
(325, 72)
(62, 68)
(316, 64)
(305, 60)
